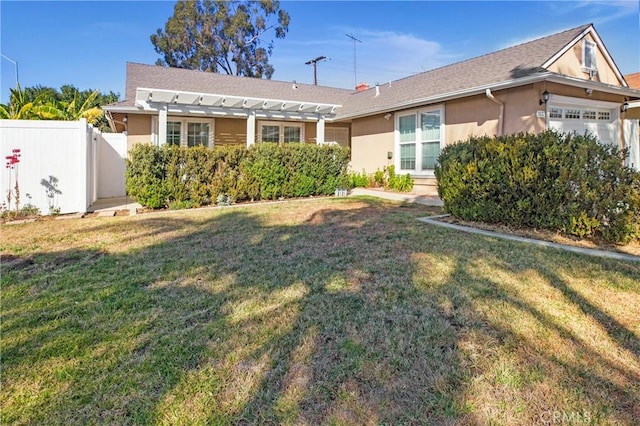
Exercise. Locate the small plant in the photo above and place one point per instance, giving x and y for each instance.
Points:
(181, 205)
(12, 165)
(224, 200)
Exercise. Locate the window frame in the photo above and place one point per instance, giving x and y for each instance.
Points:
(589, 46)
(281, 125)
(420, 139)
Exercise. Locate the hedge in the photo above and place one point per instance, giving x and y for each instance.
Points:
(191, 177)
(563, 182)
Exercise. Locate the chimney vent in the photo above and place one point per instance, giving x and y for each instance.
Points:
(362, 87)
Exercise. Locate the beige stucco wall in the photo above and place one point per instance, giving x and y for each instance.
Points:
(371, 139)
(230, 131)
(478, 115)
(570, 63)
(138, 129)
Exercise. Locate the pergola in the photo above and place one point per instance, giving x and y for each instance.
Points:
(165, 102)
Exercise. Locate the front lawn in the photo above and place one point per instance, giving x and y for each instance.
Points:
(342, 311)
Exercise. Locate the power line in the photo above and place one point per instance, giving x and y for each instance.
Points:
(314, 62)
(355, 80)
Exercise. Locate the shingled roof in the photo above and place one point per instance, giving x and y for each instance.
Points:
(511, 64)
(158, 77)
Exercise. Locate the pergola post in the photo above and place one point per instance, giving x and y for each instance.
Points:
(320, 130)
(162, 124)
(251, 128)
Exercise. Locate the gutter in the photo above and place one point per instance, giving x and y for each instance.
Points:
(501, 116)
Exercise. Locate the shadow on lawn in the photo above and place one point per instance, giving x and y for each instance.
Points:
(357, 315)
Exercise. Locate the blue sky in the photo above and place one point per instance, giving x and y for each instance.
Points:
(87, 43)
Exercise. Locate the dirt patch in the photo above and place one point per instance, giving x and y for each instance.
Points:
(15, 263)
(632, 248)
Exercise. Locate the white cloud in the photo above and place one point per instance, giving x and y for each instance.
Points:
(382, 56)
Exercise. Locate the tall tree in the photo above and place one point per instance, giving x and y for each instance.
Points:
(223, 36)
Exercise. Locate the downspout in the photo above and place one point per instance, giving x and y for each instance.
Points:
(501, 117)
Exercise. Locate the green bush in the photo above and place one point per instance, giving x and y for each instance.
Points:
(399, 183)
(358, 180)
(190, 177)
(386, 179)
(569, 183)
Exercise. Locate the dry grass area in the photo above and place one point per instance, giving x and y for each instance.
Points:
(339, 311)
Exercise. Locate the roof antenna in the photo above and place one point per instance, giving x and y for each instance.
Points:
(355, 80)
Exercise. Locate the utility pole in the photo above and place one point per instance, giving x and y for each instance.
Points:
(355, 80)
(314, 62)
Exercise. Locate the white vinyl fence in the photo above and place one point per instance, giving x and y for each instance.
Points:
(64, 165)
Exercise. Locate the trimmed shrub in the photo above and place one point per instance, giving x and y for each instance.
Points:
(146, 175)
(191, 177)
(565, 182)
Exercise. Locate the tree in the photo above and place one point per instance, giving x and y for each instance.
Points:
(19, 107)
(221, 36)
(68, 103)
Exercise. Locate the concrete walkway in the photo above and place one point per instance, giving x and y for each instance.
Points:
(113, 204)
(433, 220)
(426, 200)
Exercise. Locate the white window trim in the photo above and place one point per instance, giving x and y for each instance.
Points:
(183, 129)
(282, 125)
(417, 171)
(588, 43)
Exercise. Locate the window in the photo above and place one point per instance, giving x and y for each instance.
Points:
(173, 132)
(555, 112)
(588, 115)
(572, 113)
(197, 134)
(277, 132)
(589, 55)
(419, 136)
(604, 115)
(339, 135)
(430, 123)
(184, 131)
(292, 134)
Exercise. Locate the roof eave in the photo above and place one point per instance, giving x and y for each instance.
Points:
(547, 76)
(595, 85)
(448, 96)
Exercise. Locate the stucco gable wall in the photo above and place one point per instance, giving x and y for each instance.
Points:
(570, 64)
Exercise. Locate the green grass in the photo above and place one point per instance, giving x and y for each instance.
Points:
(332, 311)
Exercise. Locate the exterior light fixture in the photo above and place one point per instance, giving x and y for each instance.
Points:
(624, 107)
(387, 116)
(545, 97)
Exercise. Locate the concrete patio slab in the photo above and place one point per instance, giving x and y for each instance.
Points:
(106, 213)
(115, 203)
